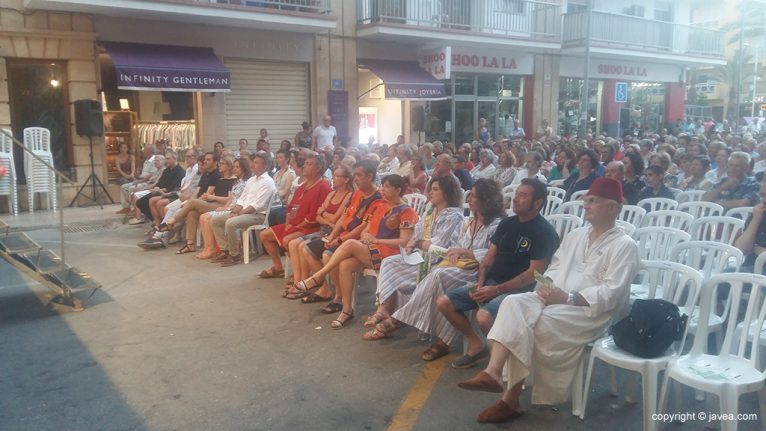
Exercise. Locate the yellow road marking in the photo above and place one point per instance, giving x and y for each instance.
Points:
(416, 398)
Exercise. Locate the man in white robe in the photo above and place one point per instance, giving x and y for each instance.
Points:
(544, 332)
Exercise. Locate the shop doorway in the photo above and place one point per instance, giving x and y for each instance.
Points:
(38, 98)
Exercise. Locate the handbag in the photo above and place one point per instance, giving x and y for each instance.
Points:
(650, 328)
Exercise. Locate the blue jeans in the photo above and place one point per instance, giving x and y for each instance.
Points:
(462, 301)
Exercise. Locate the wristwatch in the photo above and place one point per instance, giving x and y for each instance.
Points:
(571, 298)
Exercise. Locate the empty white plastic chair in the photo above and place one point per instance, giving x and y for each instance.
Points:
(8, 181)
(742, 213)
(578, 195)
(551, 205)
(699, 209)
(557, 191)
(40, 179)
(632, 214)
(656, 204)
(564, 223)
(254, 230)
(417, 201)
(672, 282)
(690, 196)
(626, 227)
(668, 218)
(575, 208)
(734, 370)
(655, 243)
(716, 228)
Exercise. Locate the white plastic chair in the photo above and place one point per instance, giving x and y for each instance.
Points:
(255, 229)
(690, 196)
(40, 179)
(760, 262)
(742, 213)
(657, 204)
(632, 214)
(557, 191)
(9, 180)
(628, 228)
(668, 218)
(699, 209)
(551, 205)
(578, 195)
(510, 188)
(573, 207)
(710, 258)
(417, 201)
(672, 282)
(716, 228)
(564, 223)
(655, 243)
(734, 371)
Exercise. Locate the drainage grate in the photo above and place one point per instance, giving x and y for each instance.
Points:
(82, 227)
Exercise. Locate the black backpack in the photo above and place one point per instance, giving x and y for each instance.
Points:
(650, 328)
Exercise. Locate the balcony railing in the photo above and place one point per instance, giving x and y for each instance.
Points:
(519, 18)
(645, 34)
(309, 6)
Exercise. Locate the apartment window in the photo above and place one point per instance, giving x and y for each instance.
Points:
(663, 11)
(634, 10)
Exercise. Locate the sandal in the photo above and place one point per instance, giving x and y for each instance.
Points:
(436, 351)
(389, 325)
(375, 335)
(296, 295)
(337, 323)
(272, 273)
(313, 298)
(302, 286)
(188, 248)
(332, 307)
(376, 318)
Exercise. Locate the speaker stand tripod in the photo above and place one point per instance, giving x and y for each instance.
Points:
(94, 182)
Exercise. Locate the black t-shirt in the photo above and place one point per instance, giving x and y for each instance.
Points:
(518, 243)
(170, 179)
(223, 186)
(208, 179)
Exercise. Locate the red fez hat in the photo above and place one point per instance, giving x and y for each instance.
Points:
(606, 188)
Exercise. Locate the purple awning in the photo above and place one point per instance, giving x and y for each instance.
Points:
(167, 68)
(405, 80)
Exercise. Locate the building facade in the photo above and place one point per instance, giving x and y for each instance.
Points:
(425, 69)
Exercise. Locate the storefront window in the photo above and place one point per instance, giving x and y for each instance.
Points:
(570, 100)
(38, 99)
(496, 98)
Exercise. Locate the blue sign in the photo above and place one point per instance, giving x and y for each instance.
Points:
(337, 84)
(621, 92)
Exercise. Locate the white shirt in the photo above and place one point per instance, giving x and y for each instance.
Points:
(188, 180)
(258, 192)
(759, 166)
(523, 173)
(325, 137)
(479, 172)
(148, 169)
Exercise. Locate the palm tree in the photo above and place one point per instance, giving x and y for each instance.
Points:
(728, 75)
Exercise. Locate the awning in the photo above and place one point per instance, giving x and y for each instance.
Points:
(167, 68)
(405, 80)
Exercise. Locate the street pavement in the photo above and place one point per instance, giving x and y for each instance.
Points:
(174, 343)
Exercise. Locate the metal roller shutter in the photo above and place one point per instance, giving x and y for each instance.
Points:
(266, 94)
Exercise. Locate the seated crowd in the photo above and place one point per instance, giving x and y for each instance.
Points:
(343, 211)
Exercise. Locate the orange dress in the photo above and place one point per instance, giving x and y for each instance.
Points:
(385, 222)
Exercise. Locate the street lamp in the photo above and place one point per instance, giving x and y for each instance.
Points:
(755, 78)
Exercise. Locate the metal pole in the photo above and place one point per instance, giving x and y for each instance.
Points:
(61, 223)
(586, 87)
(755, 82)
(739, 62)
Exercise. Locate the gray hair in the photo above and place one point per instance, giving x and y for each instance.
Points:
(264, 156)
(743, 156)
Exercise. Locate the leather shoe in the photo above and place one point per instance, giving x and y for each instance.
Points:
(220, 257)
(498, 413)
(482, 382)
(231, 260)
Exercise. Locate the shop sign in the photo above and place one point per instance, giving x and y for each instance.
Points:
(464, 60)
(436, 61)
(337, 108)
(626, 70)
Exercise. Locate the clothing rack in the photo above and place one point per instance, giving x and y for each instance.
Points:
(180, 135)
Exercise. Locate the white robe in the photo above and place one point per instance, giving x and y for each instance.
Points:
(553, 338)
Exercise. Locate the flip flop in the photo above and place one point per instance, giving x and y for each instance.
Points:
(186, 249)
(313, 298)
(272, 273)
